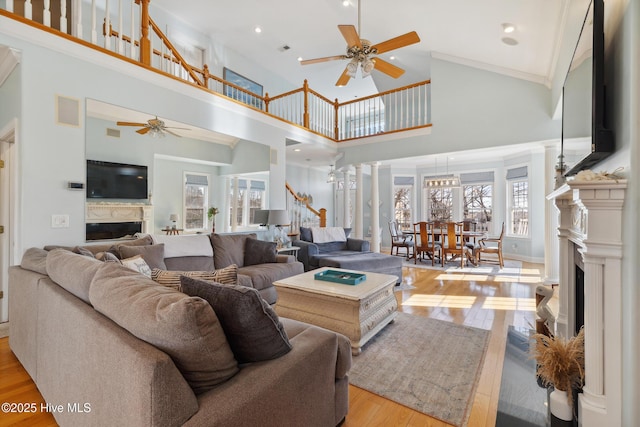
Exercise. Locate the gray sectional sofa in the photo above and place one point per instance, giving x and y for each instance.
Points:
(135, 352)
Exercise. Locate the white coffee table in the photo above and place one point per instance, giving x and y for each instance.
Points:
(357, 311)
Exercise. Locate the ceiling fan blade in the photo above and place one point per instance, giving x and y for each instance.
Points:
(397, 42)
(387, 68)
(326, 58)
(143, 130)
(172, 133)
(350, 35)
(344, 79)
(130, 124)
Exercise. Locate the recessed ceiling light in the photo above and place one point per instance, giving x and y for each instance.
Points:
(299, 58)
(392, 57)
(257, 29)
(297, 150)
(345, 3)
(508, 28)
(509, 41)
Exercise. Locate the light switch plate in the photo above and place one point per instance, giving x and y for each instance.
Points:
(59, 221)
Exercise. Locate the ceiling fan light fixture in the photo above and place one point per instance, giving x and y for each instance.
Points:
(352, 67)
(367, 67)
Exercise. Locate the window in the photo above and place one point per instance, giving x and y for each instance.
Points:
(196, 201)
(250, 197)
(477, 205)
(518, 188)
(440, 204)
(477, 199)
(403, 201)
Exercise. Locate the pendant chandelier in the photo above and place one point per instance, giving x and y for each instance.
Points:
(442, 181)
(331, 178)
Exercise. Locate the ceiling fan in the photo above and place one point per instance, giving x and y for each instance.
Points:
(362, 53)
(155, 127)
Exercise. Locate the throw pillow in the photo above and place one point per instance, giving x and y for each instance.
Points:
(252, 327)
(138, 264)
(152, 254)
(184, 327)
(305, 234)
(229, 249)
(259, 252)
(226, 276)
(107, 257)
(83, 251)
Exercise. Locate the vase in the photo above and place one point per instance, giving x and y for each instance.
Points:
(560, 408)
(213, 225)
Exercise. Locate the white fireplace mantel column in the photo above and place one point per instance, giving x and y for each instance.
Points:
(591, 221)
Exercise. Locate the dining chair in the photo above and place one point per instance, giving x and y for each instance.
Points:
(425, 243)
(491, 245)
(454, 243)
(400, 239)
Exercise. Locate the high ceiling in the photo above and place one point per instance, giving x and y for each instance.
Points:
(469, 32)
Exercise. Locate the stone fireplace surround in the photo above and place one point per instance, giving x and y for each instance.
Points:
(590, 227)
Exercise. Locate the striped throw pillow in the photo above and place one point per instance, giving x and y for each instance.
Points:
(171, 278)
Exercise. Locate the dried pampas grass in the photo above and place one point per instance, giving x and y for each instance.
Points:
(560, 361)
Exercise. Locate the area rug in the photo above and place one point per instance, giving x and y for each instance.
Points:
(510, 267)
(428, 365)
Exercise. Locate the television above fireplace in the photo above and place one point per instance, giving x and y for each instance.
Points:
(583, 94)
(108, 180)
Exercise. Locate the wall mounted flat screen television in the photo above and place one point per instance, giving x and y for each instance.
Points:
(583, 94)
(107, 180)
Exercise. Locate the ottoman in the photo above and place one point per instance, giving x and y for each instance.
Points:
(370, 261)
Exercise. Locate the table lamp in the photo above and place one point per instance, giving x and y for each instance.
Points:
(174, 218)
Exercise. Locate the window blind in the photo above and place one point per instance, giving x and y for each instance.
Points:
(197, 179)
(476, 177)
(403, 180)
(517, 173)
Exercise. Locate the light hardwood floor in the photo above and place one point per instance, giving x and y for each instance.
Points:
(473, 300)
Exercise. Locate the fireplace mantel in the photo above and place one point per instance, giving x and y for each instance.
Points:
(120, 212)
(591, 222)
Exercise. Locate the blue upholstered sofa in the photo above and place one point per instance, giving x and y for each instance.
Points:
(332, 247)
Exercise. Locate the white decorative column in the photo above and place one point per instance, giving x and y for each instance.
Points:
(591, 222)
(358, 217)
(226, 208)
(346, 217)
(551, 266)
(375, 208)
(234, 205)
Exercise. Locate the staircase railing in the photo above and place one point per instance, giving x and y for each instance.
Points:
(301, 213)
(401, 109)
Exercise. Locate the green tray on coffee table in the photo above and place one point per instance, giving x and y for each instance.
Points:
(344, 277)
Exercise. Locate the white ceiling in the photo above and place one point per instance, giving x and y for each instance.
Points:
(468, 31)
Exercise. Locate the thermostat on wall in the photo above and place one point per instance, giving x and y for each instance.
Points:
(75, 185)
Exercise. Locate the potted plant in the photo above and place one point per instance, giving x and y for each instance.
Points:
(560, 364)
(211, 214)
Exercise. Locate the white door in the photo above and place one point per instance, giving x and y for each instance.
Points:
(6, 143)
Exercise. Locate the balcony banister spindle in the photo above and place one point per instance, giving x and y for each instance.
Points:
(63, 16)
(107, 26)
(46, 13)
